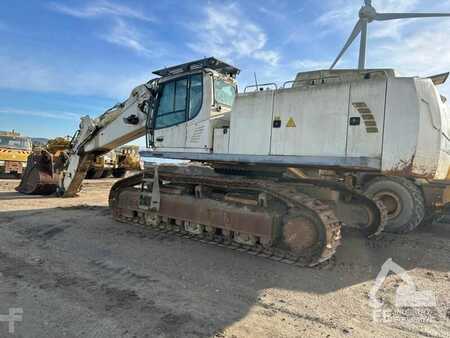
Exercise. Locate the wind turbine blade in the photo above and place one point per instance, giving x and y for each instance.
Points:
(353, 35)
(395, 16)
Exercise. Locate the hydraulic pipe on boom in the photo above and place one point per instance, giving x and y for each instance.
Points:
(119, 125)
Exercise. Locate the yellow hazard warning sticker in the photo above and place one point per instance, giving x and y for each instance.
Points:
(291, 123)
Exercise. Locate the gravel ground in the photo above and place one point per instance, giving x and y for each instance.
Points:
(77, 273)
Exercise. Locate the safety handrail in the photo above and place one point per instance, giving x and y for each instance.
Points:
(261, 86)
(321, 80)
(311, 81)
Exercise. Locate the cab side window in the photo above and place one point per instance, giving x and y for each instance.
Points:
(195, 95)
(180, 100)
(172, 104)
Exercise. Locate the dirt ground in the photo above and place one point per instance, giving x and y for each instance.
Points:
(77, 273)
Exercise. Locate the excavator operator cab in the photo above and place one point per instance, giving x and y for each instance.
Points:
(193, 100)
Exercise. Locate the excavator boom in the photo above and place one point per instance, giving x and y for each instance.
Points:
(117, 126)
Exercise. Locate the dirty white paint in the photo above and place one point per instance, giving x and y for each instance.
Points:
(411, 119)
(360, 142)
(251, 123)
(221, 140)
(320, 115)
(403, 123)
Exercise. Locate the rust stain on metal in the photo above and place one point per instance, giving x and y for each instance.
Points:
(407, 168)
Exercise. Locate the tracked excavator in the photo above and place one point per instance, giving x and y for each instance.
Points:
(272, 171)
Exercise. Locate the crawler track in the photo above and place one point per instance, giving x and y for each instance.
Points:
(325, 222)
(273, 254)
(308, 232)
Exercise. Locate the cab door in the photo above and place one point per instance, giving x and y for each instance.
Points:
(171, 115)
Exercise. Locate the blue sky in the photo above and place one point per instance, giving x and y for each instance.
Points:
(60, 60)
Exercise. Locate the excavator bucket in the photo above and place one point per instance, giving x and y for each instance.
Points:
(39, 177)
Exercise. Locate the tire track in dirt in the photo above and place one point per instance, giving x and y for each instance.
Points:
(104, 297)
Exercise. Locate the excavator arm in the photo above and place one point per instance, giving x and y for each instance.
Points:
(119, 125)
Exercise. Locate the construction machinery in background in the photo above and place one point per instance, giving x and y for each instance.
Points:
(14, 151)
(58, 145)
(275, 171)
(117, 163)
(47, 158)
(103, 166)
(128, 160)
(39, 142)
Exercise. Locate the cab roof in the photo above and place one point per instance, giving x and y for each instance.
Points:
(210, 63)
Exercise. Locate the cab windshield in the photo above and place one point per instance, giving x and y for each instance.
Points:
(12, 142)
(224, 92)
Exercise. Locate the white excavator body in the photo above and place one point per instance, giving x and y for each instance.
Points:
(358, 120)
(276, 171)
(359, 147)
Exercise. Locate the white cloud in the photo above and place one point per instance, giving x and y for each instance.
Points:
(54, 115)
(25, 74)
(411, 46)
(394, 5)
(422, 52)
(228, 34)
(268, 56)
(308, 64)
(101, 8)
(337, 17)
(273, 13)
(121, 32)
(124, 35)
(343, 15)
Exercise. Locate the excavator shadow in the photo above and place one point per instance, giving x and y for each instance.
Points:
(10, 195)
(171, 286)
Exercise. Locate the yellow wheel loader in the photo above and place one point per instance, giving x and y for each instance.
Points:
(14, 151)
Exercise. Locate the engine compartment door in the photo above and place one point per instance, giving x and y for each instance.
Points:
(310, 121)
(366, 118)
